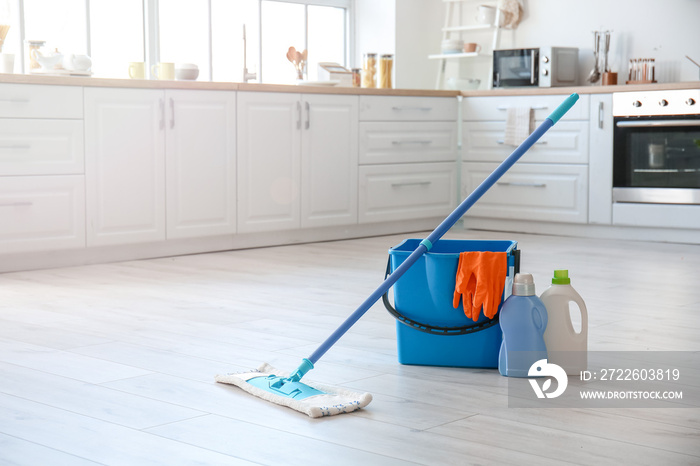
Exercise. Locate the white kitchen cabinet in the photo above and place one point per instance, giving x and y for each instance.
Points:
(41, 213)
(160, 164)
(297, 161)
(408, 154)
(600, 160)
(329, 160)
(550, 181)
(41, 147)
(406, 191)
(124, 165)
(200, 163)
(544, 192)
(565, 142)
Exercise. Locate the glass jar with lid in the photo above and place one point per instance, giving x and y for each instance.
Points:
(369, 70)
(386, 65)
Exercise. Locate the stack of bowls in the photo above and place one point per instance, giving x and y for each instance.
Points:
(452, 46)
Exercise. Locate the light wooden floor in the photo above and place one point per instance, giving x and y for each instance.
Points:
(114, 364)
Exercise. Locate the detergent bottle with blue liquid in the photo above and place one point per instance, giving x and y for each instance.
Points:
(523, 321)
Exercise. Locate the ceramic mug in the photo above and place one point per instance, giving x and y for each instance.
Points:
(163, 71)
(7, 63)
(485, 14)
(137, 70)
(472, 47)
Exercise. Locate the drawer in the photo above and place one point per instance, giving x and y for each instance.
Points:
(495, 108)
(566, 142)
(546, 192)
(41, 147)
(407, 191)
(39, 213)
(393, 108)
(399, 142)
(38, 101)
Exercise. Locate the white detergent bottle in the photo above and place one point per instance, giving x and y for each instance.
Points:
(565, 346)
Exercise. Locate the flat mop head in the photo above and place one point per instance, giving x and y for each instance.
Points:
(315, 400)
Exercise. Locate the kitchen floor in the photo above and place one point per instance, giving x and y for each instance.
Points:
(114, 363)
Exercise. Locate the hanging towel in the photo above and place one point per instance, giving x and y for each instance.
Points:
(520, 122)
(511, 11)
(481, 277)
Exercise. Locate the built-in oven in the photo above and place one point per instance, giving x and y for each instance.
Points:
(656, 147)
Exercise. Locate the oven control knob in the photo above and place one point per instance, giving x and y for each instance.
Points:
(545, 72)
(545, 59)
(690, 101)
(663, 102)
(636, 103)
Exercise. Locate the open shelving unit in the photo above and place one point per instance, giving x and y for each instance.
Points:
(453, 15)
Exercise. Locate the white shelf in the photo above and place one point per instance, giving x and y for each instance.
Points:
(443, 56)
(474, 27)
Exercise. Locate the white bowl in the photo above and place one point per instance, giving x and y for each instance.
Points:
(186, 71)
(452, 46)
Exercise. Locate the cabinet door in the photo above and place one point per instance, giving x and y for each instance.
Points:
(200, 163)
(124, 165)
(530, 191)
(39, 213)
(269, 158)
(601, 156)
(329, 160)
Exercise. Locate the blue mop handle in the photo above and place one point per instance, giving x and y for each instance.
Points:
(426, 244)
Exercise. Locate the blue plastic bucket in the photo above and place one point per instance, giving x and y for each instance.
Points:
(426, 321)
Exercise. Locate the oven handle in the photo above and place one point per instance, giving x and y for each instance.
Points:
(656, 123)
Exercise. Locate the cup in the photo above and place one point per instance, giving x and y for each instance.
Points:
(7, 63)
(485, 14)
(472, 47)
(163, 71)
(137, 70)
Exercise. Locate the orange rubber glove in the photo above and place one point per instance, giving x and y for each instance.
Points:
(479, 282)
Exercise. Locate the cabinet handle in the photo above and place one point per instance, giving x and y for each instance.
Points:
(16, 146)
(517, 183)
(172, 113)
(501, 141)
(537, 107)
(601, 114)
(308, 115)
(410, 183)
(16, 204)
(422, 109)
(298, 115)
(398, 143)
(161, 123)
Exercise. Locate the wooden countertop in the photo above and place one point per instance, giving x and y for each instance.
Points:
(232, 86)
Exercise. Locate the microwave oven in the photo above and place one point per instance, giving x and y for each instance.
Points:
(535, 67)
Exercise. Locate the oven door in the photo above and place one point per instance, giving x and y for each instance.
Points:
(516, 68)
(657, 159)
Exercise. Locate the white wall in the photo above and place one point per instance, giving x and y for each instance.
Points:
(666, 30)
(375, 28)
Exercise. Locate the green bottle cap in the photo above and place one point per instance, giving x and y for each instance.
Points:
(561, 277)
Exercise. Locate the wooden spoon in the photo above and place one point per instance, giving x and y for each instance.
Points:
(291, 54)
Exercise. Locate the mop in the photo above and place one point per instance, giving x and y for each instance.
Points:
(318, 400)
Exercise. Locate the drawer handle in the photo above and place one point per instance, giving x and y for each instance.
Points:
(16, 204)
(15, 101)
(518, 183)
(398, 143)
(538, 107)
(501, 141)
(410, 183)
(422, 109)
(15, 146)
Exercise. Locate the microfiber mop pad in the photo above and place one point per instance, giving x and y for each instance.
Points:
(330, 400)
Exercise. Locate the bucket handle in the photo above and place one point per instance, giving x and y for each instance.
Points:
(434, 330)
